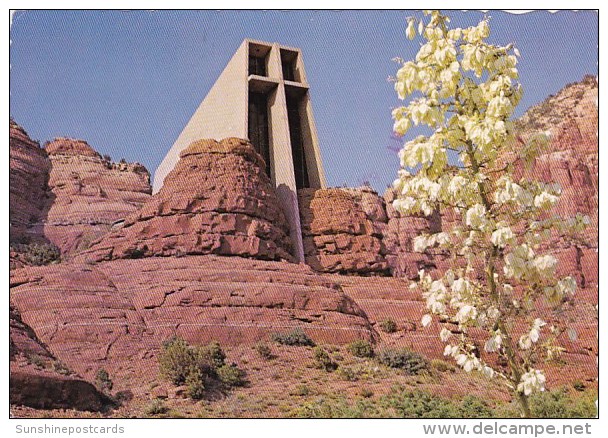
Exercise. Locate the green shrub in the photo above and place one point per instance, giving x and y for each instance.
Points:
(156, 407)
(61, 368)
(348, 374)
(103, 381)
(361, 348)
(325, 407)
(561, 404)
(296, 337)
(175, 361)
(323, 360)
(195, 381)
(263, 351)
(300, 390)
(195, 365)
(231, 376)
(442, 365)
(36, 360)
(388, 326)
(38, 254)
(419, 404)
(366, 393)
(474, 407)
(210, 355)
(412, 363)
(578, 385)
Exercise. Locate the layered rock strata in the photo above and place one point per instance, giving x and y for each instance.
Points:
(118, 312)
(28, 178)
(342, 230)
(39, 380)
(217, 200)
(89, 194)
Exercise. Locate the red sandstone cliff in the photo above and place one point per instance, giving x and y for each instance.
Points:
(217, 200)
(88, 194)
(29, 174)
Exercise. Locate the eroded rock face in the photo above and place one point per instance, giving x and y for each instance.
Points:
(117, 313)
(29, 174)
(38, 380)
(217, 200)
(88, 194)
(342, 230)
(571, 159)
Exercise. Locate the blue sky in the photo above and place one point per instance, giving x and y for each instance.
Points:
(127, 82)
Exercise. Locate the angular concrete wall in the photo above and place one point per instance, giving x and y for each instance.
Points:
(224, 113)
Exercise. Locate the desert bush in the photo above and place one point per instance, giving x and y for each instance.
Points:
(156, 407)
(38, 254)
(328, 407)
(176, 360)
(195, 381)
(300, 390)
(263, 351)
(210, 355)
(412, 363)
(418, 404)
(36, 360)
(323, 360)
(561, 404)
(103, 381)
(348, 373)
(474, 407)
(398, 403)
(231, 375)
(388, 326)
(61, 368)
(296, 337)
(442, 365)
(366, 393)
(193, 366)
(361, 348)
(578, 385)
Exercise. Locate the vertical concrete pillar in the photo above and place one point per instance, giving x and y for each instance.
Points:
(282, 160)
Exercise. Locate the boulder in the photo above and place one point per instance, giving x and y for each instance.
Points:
(217, 200)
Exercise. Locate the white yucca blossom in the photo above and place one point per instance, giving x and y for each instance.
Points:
(451, 350)
(444, 334)
(468, 362)
(494, 343)
(502, 237)
(411, 30)
(545, 200)
(426, 320)
(420, 243)
(402, 125)
(466, 313)
(531, 381)
(545, 265)
(526, 340)
(475, 216)
(566, 286)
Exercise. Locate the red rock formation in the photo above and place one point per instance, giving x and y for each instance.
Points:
(342, 230)
(88, 194)
(38, 380)
(571, 159)
(217, 200)
(29, 173)
(117, 313)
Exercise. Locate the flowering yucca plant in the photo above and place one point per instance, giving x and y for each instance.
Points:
(465, 90)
